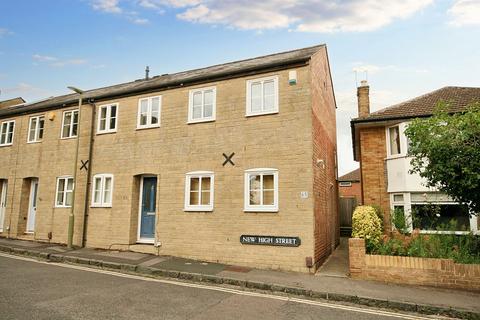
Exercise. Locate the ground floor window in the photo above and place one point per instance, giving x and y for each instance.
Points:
(199, 191)
(261, 190)
(102, 190)
(431, 212)
(64, 192)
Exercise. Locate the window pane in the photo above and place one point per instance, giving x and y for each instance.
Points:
(197, 112)
(208, 96)
(10, 132)
(451, 217)
(194, 184)
(256, 97)
(155, 110)
(269, 88)
(41, 124)
(33, 128)
(398, 197)
(143, 119)
(68, 198)
(143, 112)
(205, 198)
(194, 197)
(394, 140)
(113, 123)
(255, 197)
(208, 110)
(61, 185)
(254, 182)
(67, 118)
(102, 124)
(205, 183)
(268, 197)
(268, 182)
(98, 185)
(59, 198)
(113, 111)
(269, 103)
(107, 190)
(197, 99)
(75, 123)
(103, 113)
(70, 184)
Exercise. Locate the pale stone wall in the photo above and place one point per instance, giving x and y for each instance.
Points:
(282, 141)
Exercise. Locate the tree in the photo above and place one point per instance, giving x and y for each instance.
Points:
(445, 150)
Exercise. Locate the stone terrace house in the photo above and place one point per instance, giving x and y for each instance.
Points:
(233, 163)
(379, 143)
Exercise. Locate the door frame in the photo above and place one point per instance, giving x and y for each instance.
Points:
(140, 198)
(30, 202)
(3, 198)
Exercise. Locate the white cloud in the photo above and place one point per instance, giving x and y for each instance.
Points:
(5, 32)
(304, 16)
(57, 62)
(374, 69)
(465, 12)
(110, 6)
(24, 89)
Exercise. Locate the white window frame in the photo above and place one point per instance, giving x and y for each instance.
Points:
(70, 134)
(149, 112)
(249, 96)
(190, 104)
(345, 184)
(37, 129)
(402, 138)
(260, 208)
(65, 191)
(102, 203)
(200, 175)
(108, 117)
(6, 125)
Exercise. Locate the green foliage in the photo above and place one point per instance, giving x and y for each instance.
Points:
(367, 225)
(445, 150)
(399, 221)
(460, 248)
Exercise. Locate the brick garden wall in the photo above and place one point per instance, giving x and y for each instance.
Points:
(410, 270)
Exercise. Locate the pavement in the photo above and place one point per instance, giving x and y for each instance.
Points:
(330, 283)
(32, 289)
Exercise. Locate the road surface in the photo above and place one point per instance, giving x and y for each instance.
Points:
(31, 289)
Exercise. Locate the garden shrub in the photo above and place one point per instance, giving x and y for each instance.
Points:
(367, 225)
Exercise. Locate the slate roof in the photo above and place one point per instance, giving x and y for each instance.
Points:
(213, 73)
(352, 176)
(424, 105)
(11, 102)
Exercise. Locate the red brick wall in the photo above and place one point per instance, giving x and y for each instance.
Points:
(326, 229)
(373, 169)
(354, 191)
(410, 270)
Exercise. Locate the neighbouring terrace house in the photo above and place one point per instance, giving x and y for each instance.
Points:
(234, 163)
(381, 147)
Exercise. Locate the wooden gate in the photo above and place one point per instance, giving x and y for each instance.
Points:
(347, 205)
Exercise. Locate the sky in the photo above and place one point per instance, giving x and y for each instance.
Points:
(404, 48)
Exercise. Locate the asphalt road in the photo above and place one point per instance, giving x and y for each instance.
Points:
(39, 290)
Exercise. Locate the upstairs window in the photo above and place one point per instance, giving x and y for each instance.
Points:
(102, 190)
(6, 133)
(261, 190)
(107, 118)
(35, 129)
(70, 124)
(394, 140)
(262, 96)
(201, 105)
(64, 194)
(199, 191)
(149, 112)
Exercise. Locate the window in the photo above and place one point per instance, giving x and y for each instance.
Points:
(345, 184)
(394, 140)
(261, 190)
(6, 133)
(199, 191)
(35, 129)
(149, 112)
(262, 96)
(64, 192)
(201, 105)
(70, 124)
(102, 190)
(441, 217)
(107, 118)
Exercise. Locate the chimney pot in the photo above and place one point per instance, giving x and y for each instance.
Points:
(363, 96)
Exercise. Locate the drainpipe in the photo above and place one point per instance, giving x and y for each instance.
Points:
(89, 178)
(71, 216)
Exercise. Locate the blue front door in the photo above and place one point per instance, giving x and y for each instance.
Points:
(149, 200)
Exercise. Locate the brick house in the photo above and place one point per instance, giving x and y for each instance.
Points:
(380, 145)
(349, 186)
(234, 163)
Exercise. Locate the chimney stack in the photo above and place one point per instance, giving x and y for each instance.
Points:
(147, 72)
(363, 99)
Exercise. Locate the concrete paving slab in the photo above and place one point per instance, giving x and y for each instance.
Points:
(186, 265)
(337, 264)
(154, 261)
